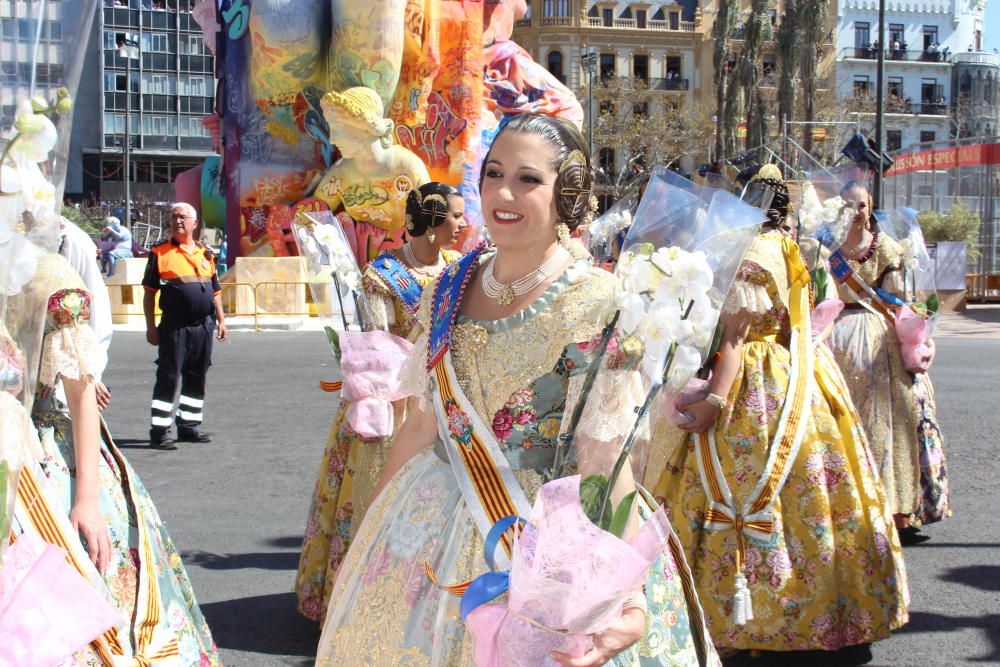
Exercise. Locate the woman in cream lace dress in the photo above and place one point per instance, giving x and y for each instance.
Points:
(509, 348)
(393, 283)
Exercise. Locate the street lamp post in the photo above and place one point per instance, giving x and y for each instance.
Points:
(879, 102)
(127, 49)
(589, 61)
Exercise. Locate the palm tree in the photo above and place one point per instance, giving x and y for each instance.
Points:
(749, 72)
(789, 43)
(812, 20)
(721, 30)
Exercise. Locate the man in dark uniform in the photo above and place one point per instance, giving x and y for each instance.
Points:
(182, 270)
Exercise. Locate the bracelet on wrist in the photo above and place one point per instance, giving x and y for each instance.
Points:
(716, 400)
(636, 600)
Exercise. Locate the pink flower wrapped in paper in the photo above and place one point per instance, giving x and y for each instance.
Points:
(48, 611)
(912, 330)
(568, 580)
(371, 362)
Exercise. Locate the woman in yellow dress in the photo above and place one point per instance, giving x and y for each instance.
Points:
(774, 493)
(393, 283)
(892, 400)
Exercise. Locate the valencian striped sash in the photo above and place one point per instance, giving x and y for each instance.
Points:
(154, 647)
(753, 517)
(862, 292)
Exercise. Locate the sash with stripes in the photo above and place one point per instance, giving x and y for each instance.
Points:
(753, 517)
(484, 475)
(154, 645)
(400, 281)
(872, 299)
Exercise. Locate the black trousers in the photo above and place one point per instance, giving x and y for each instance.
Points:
(185, 353)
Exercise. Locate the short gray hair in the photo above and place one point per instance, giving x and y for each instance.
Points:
(188, 209)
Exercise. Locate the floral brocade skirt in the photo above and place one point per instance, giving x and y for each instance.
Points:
(348, 473)
(831, 574)
(133, 522)
(882, 390)
(384, 611)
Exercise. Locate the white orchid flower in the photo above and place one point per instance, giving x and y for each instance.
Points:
(663, 326)
(686, 362)
(18, 262)
(641, 276)
(36, 136)
(703, 318)
(632, 307)
(692, 272)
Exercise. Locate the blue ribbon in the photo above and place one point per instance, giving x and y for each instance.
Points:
(890, 298)
(490, 585)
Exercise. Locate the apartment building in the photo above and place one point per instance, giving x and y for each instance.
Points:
(936, 75)
(168, 88)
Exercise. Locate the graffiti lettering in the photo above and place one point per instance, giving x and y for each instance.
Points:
(357, 195)
(237, 17)
(430, 141)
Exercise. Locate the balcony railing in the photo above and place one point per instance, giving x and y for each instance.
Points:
(895, 55)
(668, 84)
(557, 21)
(631, 24)
(976, 58)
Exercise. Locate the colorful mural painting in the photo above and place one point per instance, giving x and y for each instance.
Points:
(348, 106)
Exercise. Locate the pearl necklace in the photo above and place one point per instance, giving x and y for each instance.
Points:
(505, 293)
(415, 263)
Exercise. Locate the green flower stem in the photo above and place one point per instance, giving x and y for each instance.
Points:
(588, 385)
(3, 156)
(340, 300)
(641, 413)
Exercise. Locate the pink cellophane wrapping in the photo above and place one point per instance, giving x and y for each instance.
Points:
(370, 362)
(566, 574)
(673, 404)
(912, 330)
(824, 313)
(48, 611)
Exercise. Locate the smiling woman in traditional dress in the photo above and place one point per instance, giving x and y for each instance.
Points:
(774, 494)
(503, 350)
(896, 403)
(393, 284)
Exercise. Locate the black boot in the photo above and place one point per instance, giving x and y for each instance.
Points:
(160, 439)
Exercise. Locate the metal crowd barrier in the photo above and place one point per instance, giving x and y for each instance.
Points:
(982, 287)
(265, 299)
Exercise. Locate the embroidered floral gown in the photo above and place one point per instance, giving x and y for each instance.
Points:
(831, 574)
(897, 408)
(350, 466)
(146, 580)
(517, 372)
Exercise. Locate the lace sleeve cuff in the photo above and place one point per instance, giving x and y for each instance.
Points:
(747, 296)
(414, 378)
(610, 409)
(71, 352)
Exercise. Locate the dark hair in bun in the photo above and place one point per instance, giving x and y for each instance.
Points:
(575, 178)
(778, 210)
(427, 206)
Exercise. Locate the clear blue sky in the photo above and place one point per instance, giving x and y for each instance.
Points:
(991, 26)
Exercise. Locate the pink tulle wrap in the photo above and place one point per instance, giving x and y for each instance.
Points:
(912, 330)
(566, 574)
(824, 313)
(371, 362)
(47, 610)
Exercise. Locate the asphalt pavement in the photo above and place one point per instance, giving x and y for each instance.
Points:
(236, 507)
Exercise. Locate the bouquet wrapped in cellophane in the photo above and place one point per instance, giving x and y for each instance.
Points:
(606, 233)
(370, 359)
(915, 310)
(593, 531)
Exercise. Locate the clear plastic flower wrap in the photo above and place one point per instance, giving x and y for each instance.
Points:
(607, 231)
(334, 275)
(916, 310)
(593, 531)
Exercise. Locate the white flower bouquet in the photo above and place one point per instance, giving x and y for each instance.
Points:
(335, 278)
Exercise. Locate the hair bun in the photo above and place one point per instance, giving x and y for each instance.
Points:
(427, 207)
(575, 181)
